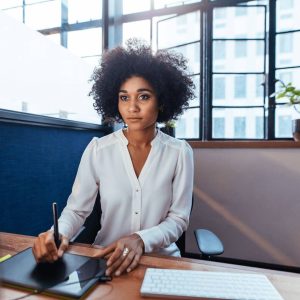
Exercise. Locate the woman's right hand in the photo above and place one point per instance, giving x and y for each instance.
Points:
(44, 248)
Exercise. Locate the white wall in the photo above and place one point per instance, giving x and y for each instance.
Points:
(48, 77)
(250, 198)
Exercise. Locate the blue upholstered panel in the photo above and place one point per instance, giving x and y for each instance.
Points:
(37, 166)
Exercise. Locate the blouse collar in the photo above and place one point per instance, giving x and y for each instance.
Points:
(120, 134)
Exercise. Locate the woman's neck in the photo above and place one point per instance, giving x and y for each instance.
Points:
(140, 138)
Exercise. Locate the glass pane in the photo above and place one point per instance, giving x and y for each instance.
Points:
(287, 15)
(54, 38)
(181, 30)
(155, 20)
(169, 3)
(288, 49)
(10, 3)
(139, 29)
(240, 57)
(238, 90)
(187, 126)
(237, 123)
(238, 22)
(133, 6)
(196, 101)
(15, 13)
(287, 76)
(85, 42)
(283, 121)
(84, 10)
(40, 77)
(92, 60)
(43, 15)
(192, 53)
(219, 50)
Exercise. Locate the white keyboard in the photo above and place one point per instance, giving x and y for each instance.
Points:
(190, 284)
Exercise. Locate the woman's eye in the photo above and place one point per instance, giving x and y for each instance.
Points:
(123, 98)
(144, 97)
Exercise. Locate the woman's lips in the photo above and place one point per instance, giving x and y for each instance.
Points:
(134, 119)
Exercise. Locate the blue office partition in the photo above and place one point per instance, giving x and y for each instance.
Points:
(38, 165)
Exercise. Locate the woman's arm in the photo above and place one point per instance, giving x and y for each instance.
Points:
(84, 192)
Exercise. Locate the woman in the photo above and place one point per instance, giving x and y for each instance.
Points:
(144, 177)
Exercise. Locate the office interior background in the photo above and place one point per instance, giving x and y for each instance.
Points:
(236, 50)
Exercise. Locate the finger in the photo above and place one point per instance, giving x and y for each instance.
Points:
(126, 262)
(115, 256)
(50, 246)
(134, 263)
(113, 267)
(105, 251)
(36, 250)
(63, 246)
(114, 263)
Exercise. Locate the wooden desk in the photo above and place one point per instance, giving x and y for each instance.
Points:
(127, 287)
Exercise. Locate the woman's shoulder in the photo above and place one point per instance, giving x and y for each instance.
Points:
(105, 141)
(173, 142)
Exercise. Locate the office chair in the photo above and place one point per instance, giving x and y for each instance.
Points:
(87, 233)
(208, 243)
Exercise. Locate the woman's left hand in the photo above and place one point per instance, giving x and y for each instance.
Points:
(124, 254)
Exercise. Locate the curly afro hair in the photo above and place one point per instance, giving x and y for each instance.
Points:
(165, 71)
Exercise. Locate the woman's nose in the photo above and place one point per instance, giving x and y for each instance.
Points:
(133, 106)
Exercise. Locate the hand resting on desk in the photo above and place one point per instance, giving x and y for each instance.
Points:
(123, 255)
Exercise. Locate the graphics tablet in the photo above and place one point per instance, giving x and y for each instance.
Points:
(70, 276)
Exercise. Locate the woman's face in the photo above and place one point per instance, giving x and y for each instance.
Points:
(138, 104)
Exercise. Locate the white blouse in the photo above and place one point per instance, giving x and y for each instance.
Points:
(156, 205)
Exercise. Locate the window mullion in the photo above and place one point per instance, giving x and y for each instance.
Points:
(271, 77)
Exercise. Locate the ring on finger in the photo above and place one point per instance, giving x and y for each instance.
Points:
(125, 252)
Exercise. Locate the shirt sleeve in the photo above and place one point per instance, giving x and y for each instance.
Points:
(84, 191)
(177, 220)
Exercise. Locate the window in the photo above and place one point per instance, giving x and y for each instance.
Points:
(240, 49)
(220, 13)
(285, 43)
(239, 127)
(43, 15)
(180, 130)
(259, 127)
(240, 11)
(219, 88)
(240, 86)
(259, 87)
(139, 29)
(219, 50)
(286, 4)
(239, 63)
(259, 48)
(133, 6)
(284, 126)
(218, 127)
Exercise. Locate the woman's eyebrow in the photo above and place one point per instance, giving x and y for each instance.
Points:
(145, 90)
(139, 90)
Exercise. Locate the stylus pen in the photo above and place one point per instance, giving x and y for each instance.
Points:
(55, 224)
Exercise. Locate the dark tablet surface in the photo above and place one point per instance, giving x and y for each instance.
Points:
(70, 276)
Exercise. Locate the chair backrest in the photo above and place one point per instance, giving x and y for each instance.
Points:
(91, 225)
